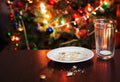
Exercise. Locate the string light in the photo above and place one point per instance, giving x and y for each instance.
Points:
(89, 8)
(94, 13)
(47, 16)
(44, 16)
(62, 21)
(101, 9)
(106, 4)
(45, 21)
(12, 38)
(43, 8)
(9, 33)
(30, 1)
(20, 29)
(68, 25)
(89, 11)
(15, 38)
(17, 44)
(8, 1)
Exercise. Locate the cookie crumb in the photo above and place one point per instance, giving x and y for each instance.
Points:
(74, 67)
(69, 74)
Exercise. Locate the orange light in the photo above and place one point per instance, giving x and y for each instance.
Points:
(15, 38)
(89, 8)
(20, 29)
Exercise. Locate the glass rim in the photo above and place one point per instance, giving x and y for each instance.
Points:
(104, 20)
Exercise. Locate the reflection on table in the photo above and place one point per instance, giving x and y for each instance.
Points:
(28, 66)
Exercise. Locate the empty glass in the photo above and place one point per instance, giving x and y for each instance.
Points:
(105, 38)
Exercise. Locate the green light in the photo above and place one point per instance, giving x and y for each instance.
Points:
(94, 13)
(35, 48)
(62, 21)
(9, 33)
(106, 5)
(101, 8)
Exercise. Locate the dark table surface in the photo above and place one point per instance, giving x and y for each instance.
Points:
(29, 65)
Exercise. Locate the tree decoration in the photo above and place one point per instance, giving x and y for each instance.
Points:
(9, 34)
(118, 10)
(83, 33)
(11, 16)
(101, 9)
(51, 2)
(9, 2)
(15, 38)
(19, 4)
(69, 1)
(30, 1)
(89, 8)
(81, 12)
(17, 14)
(74, 24)
(16, 25)
(42, 23)
(20, 28)
(76, 16)
(49, 30)
(106, 4)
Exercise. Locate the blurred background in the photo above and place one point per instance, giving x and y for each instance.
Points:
(46, 24)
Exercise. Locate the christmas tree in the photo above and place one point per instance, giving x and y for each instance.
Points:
(44, 24)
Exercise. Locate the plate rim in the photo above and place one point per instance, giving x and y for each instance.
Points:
(77, 61)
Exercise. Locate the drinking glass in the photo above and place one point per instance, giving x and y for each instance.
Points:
(105, 37)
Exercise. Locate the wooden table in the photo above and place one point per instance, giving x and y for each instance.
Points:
(28, 66)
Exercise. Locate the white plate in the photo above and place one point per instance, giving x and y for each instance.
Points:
(70, 54)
